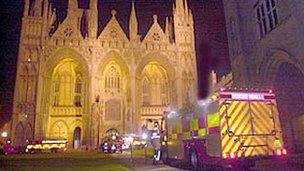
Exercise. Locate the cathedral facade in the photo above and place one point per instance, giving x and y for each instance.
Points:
(80, 86)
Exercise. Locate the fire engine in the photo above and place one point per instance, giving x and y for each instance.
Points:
(230, 128)
(53, 146)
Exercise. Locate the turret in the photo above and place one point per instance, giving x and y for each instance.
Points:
(168, 29)
(73, 5)
(93, 19)
(26, 8)
(183, 23)
(37, 10)
(133, 24)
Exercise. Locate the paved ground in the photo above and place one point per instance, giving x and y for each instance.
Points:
(142, 163)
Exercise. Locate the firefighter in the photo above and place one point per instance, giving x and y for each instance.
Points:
(155, 141)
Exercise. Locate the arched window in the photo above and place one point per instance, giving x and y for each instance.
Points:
(155, 79)
(59, 130)
(146, 92)
(112, 79)
(78, 92)
(67, 88)
(56, 91)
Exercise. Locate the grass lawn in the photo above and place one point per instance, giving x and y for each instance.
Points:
(141, 152)
(76, 161)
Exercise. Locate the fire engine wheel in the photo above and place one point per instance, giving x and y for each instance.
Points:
(194, 161)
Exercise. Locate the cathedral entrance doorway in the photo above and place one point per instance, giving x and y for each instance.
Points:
(289, 89)
(77, 138)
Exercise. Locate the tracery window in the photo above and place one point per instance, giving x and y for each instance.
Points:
(78, 92)
(59, 130)
(146, 92)
(155, 91)
(67, 87)
(267, 17)
(112, 79)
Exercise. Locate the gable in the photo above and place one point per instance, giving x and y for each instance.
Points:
(69, 28)
(156, 33)
(113, 30)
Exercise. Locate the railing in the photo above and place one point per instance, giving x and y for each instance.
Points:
(66, 110)
(153, 110)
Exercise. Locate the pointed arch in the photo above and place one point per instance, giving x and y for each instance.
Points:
(154, 77)
(59, 129)
(19, 134)
(271, 63)
(113, 73)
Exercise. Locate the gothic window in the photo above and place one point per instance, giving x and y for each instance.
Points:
(59, 130)
(112, 78)
(56, 93)
(146, 92)
(113, 110)
(155, 85)
(78, 92)
(68, 32)
(113, 33)
(156, 37)
(267, 18)
(67, 85)
(164, 91)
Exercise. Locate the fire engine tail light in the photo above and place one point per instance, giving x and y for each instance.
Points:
(280, 152)
(284, 151)
(230, 156)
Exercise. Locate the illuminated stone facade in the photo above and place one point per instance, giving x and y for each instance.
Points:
(78, 86)
(266, 50)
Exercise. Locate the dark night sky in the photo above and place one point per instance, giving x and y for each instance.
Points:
(207, 52)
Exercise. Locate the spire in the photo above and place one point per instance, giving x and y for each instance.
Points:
(93, 19)
(133, 24)
(73, 5)
(37, 11)
(186, 7)
(179, 6)
(53, 18)
(50, 10)
(167, 26)
(93, 4)
(26, 7)
(167, 29)
(45, 9)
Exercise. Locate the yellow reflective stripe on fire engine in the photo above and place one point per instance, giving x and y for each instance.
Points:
(213, 120)
(236, 120)
(174, 136)
(170, 130)
(202, 132)
(187, 135)
(238, 117)
(179, 128)
(194, 124)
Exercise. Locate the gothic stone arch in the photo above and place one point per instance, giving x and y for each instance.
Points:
(158, 63)
(59, 57)
(284, 74)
